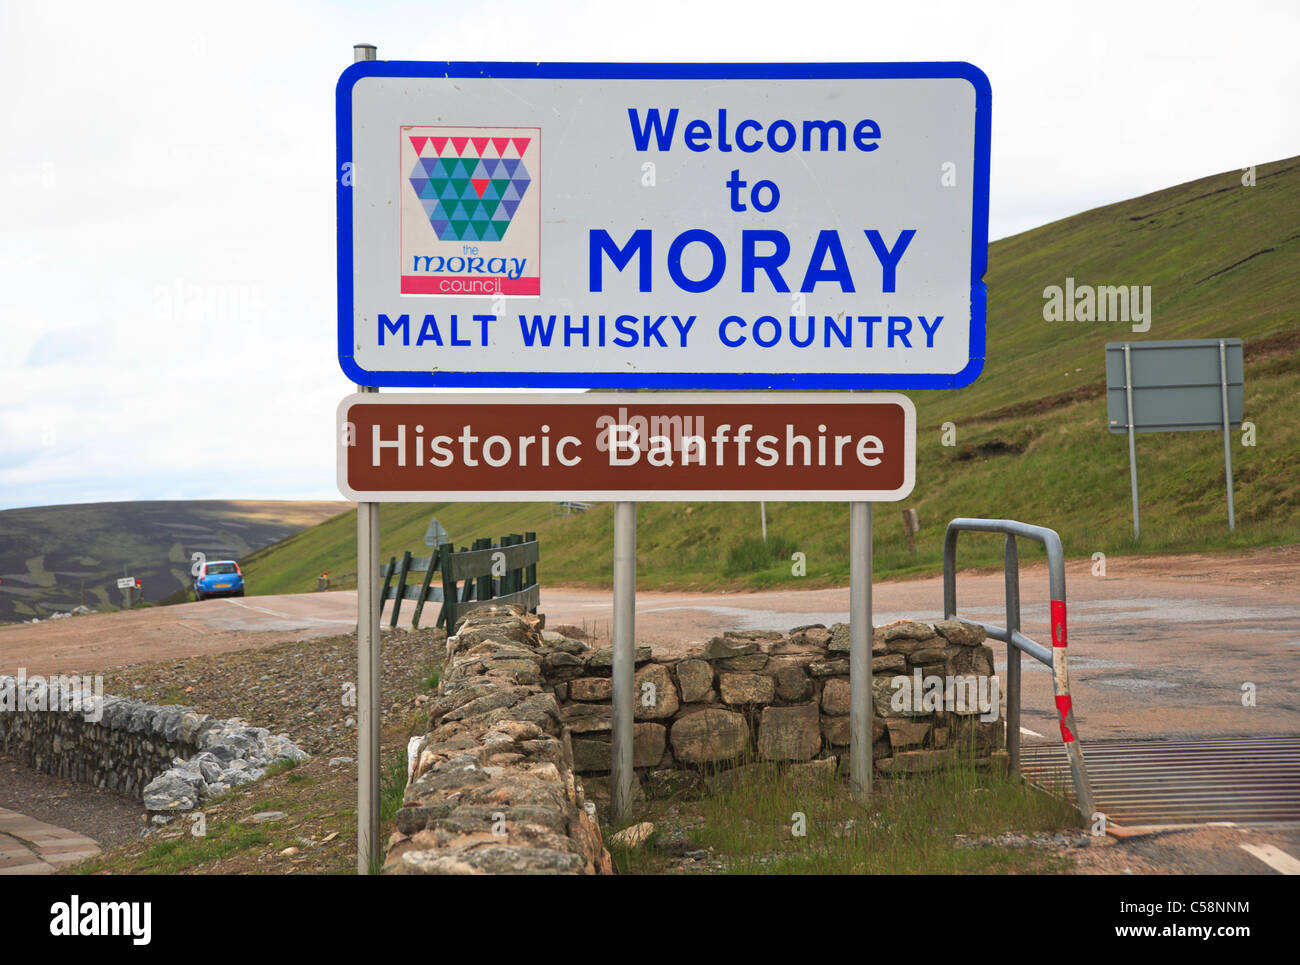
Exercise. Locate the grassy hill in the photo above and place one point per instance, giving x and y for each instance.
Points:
(49, 553)
(1222, 260)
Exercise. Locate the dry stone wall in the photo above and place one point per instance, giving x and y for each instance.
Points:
(493, 789)
(770, 696)
(171, 758)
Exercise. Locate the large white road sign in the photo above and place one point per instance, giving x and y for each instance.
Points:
(742, 226)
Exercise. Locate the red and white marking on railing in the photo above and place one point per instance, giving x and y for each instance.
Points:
(1061, 679)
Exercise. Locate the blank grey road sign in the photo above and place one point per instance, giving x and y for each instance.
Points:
(435, 534)
(1176, 385)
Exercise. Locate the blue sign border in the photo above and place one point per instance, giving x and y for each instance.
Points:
(666, 380)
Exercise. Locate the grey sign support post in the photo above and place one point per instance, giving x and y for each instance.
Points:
(1132, 444)
(368, 660)
(1227, 438)
(1011, 573)
(860, 631)
(621, 771)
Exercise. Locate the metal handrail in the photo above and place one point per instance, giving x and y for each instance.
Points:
(1017, 642)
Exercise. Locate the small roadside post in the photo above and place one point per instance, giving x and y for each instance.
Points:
(911, 526)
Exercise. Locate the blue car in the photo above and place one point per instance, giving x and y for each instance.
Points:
(219, 578)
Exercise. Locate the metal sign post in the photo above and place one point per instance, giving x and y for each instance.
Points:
(368, 664)
(860, 632)
(1132, 444)
(368, 657)
(1227, 440)
(624, 698)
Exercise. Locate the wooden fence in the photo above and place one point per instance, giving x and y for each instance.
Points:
(505, 572)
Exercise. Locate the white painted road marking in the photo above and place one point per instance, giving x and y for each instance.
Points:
(1031, 733)
(287, 616)
(1274, 857)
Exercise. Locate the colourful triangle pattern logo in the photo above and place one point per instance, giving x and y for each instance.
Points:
(470, 187)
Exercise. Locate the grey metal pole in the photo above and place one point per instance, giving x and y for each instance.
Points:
(860, 630)
(368, 689)
(1011, 569)
(762, 514)
(368, 654)
(1132, 445)
(621, 772)
(1227, 432)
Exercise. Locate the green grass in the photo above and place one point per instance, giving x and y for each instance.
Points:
(908, 826)
(280, 766)
(1032, 440)
(392, 789)
(174, 855)
(432, 676)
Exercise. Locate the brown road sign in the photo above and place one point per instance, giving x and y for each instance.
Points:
(665, 447)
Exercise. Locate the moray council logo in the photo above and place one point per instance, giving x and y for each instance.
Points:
(470, 211)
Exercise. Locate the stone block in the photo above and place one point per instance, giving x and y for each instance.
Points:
(592, 756)
(654, 694)
(751, 662)
(708, 736)
(696, 680)
(828, 668)
(792, 682)
(746, 688)
(961, 633)
(601, 662)
(587, 718)
(889, 663)
(789, 733)
(883, 691)
(915, 762)
(721, 648)
(591, 689)
(835, 697)
(904, 733)
(836, 732)
(976, 660)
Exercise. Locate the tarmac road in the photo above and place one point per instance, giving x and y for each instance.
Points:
(1159, 646)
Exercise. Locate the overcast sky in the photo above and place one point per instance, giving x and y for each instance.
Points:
(167, 220)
